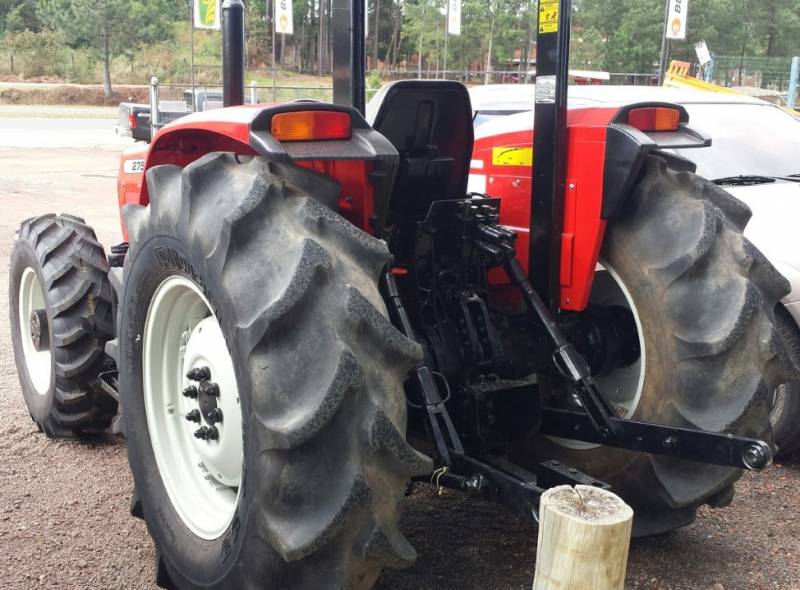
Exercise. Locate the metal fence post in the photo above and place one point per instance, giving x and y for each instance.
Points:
(709, 74)
(794, 73)
(253, 92)
(153, 106)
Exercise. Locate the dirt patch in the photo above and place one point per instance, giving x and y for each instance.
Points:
(73, 94)
(32, 79)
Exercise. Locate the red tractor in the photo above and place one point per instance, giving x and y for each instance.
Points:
(309, 311)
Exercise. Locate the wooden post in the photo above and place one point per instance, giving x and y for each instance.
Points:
(584, 536)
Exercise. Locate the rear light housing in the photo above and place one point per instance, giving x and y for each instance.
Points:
(654, 118)
(311, 126)
(132, 120)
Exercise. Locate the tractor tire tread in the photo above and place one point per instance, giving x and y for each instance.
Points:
(705, 299)
(333, 461)
(73, 271)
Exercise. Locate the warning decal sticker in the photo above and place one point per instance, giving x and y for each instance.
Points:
(548, 16)
(512, 156)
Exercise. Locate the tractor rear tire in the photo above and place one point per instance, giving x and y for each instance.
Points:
(704, 297)
(59, 271)
(319, 373)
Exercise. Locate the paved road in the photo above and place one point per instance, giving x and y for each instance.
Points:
(64, 506)
(41, 130)
(60, 112)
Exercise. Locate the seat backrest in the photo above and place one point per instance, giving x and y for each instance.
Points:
(429, 122)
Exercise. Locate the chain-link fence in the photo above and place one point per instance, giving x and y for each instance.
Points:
(627, 79)
(176, 100)
(287, 85)
(764, 77)
(476, 77)
(758, 72)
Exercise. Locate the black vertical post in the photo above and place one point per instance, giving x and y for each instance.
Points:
(233, 53)
(349, 53)
(549, 148)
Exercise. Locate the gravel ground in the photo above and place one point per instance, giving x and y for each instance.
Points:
(64, 519)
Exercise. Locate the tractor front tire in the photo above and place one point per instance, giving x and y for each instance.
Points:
(704, 298)
(317, 375)
(61, 313)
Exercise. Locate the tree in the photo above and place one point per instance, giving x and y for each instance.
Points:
(110, 27)
(22, 17)
(588, 50)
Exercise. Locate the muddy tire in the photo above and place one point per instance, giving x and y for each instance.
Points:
(785, 410)
(59, 274)
(318, 369)
(704, 297)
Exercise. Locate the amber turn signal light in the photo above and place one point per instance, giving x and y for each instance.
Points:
(311, 126)
(654, 119)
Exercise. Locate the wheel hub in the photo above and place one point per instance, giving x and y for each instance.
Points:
(208, 367)
(40, 333)
(620, 375)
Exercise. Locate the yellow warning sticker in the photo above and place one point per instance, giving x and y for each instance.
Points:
(548, 16)
(512, 156)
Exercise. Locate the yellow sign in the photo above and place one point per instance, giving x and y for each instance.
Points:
(548, 16)
(207, 14)
(512, 156)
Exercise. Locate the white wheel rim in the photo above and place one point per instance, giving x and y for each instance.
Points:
(201, 477)
(38, 363)
(622, 387)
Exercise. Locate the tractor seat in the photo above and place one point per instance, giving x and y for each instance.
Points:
(429, 122)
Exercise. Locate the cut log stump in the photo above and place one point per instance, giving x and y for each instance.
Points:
(584, 536)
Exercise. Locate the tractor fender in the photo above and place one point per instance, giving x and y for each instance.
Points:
(365, 165)
(605, 158)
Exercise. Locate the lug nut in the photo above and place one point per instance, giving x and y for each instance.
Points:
(190, 391)
(206, 433)
(193, 416)
(213, 416)
(198, 373)
(209, 388)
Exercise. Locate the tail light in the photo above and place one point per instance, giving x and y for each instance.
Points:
(311, 126)
(654, 118)
(132, 120)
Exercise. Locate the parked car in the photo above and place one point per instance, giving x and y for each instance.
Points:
(755, 156)
(134, 121)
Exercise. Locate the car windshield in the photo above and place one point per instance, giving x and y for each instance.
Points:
(747, 139)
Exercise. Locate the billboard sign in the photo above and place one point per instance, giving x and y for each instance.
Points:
(454, 17)
(284, 19)
(676, 19)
